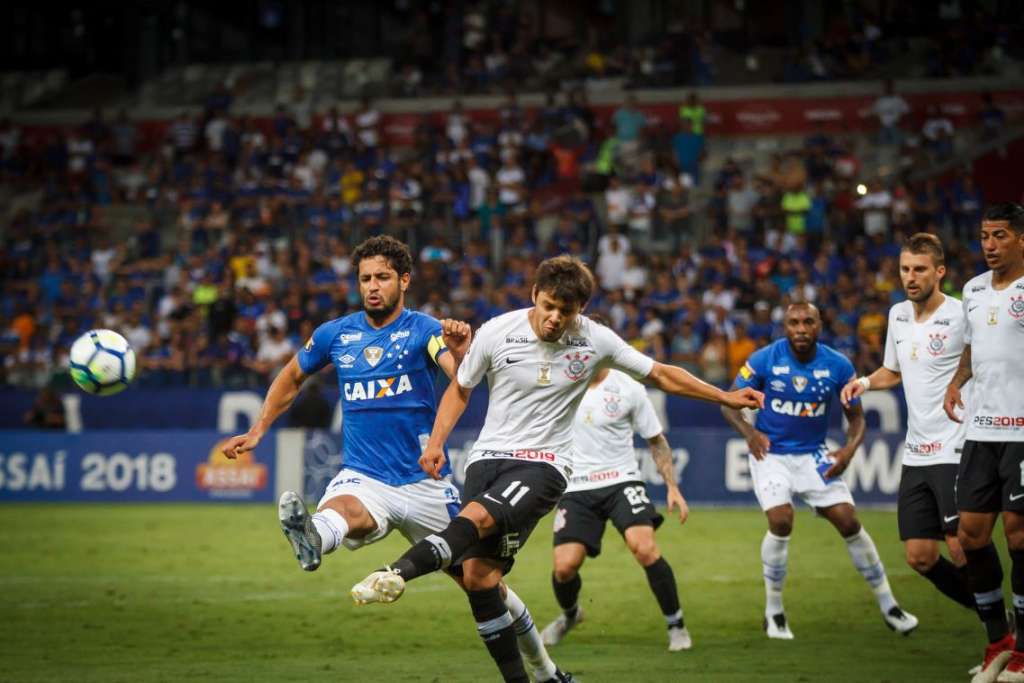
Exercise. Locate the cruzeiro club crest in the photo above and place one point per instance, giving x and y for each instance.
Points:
(936, 343)
(1017, 306)
(799, 382)
(373, 354)
(577, 365)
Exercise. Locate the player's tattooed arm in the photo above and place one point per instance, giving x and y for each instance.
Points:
(963, 373)
(279, 398)
(661, 453)
(756, 441)
(854, 438)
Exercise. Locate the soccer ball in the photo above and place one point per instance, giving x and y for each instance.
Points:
(102, 362)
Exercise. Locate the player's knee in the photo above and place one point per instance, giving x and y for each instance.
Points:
(848, 527)
(1015, 539)
(781, 526)
(922, 559)
(646, 554)
(565, 571)
(971, 538)
(480, 581)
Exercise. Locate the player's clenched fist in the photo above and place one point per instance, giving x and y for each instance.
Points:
(744, 398)
(240, 444)
(432, 460)
(456, 334)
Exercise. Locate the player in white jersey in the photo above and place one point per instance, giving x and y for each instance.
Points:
(991, 475)
(538, 362)
(380, 488)
(606, 485)
(923, 344)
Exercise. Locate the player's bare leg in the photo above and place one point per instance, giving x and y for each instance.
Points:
(313, 536)
(949, 576)
(985, 580)
(662, 580)
(775, 563)
(566, 582)
(865, 558)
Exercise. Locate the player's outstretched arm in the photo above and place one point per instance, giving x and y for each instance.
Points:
(675, 380)
(453, 404)
(279, 398)
(963, 373)
(882, 378)
(661, 453)
(857, 425)
(757, 442)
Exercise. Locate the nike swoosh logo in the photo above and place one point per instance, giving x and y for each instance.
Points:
(947, 520)
(510, 361)
(971, 308)
(900, 341)
(636, 510)
(492, 498)
(1017, 497)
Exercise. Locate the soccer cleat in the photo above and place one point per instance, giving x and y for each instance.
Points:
(679, 639)
(556, 630)
(776, 627)
(297, 525)
(900, 621)
(1014, 671)
(384, 585)
(997, 654)
(560, 677)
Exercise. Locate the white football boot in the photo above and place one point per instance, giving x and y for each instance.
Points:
(383, 585)
(297, 525)
(679, 639)
(777, 627)
(556, 630)
(900, 621)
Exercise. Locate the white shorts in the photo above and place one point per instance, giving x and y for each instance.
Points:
(416, 510)
(778, 477)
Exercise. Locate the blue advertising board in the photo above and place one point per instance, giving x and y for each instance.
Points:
(153, 466)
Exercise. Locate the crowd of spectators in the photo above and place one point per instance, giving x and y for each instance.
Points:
(243, 231)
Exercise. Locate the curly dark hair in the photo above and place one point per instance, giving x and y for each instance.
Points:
(396, 253)
(565, 277)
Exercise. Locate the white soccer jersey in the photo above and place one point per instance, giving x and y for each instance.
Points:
(605, 421)
(995, 331)
(535, 386)
(927, 354)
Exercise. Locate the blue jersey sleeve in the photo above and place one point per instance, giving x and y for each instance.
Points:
(752, 372)
(315, 353)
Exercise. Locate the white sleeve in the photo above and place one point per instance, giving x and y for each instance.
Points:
(967, 319)
(614, 352)
(645, 420)
(891, 360)
(478, 359)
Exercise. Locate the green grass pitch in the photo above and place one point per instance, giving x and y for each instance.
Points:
(212, 593)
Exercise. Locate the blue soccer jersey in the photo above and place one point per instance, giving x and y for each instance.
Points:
(386, 381)
(797, 396)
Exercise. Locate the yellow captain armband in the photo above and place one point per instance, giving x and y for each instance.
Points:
(746, 372)
(435, 346)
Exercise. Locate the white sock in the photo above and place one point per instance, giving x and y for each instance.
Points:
(774, 563)
(530, 643)
(865, 558)
(332, 528)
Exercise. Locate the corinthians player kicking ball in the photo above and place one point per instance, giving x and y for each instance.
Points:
(991, 476)
(922, 350)
(606, 484)
(538, 362)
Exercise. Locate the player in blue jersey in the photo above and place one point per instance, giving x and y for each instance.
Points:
(386, 358)
(788, 456)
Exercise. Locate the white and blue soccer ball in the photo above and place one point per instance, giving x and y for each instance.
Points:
(102, 362)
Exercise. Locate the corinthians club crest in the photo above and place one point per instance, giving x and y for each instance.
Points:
(577, 365)
(936, 343)
(1017, 306)
(373, 354)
